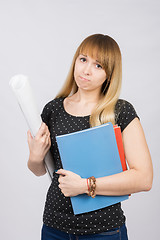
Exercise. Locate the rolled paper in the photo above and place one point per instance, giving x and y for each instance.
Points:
(23, 92)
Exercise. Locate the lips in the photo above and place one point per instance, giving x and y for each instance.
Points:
(84, 79)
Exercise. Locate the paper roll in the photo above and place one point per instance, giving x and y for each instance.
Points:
(26, 100)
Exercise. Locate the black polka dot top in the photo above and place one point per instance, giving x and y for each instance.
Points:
(58, 212)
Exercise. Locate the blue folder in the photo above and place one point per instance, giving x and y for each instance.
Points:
(91, 152)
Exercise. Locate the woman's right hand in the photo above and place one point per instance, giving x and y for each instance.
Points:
(40, 144)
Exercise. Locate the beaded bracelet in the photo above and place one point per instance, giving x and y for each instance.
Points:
(91, 186)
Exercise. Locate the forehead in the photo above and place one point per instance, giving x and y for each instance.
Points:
(88, 51)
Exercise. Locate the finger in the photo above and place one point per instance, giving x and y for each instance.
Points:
(42, 130)
(62, 172)
(60, 179)
(29, 133)
(46, 135)
(49, 141)
(45, 138)
(29, 136)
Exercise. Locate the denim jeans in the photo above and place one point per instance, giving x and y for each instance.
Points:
(49, 233)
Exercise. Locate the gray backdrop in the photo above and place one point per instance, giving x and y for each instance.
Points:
(38, 38)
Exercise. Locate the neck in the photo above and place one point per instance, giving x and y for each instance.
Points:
(87, 96)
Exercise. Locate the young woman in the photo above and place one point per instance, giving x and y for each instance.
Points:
(90, 97)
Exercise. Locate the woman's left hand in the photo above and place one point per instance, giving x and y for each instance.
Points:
(71, 184)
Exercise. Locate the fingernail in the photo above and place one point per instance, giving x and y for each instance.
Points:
(56, 171)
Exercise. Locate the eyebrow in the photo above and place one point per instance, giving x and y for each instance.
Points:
(86, 56)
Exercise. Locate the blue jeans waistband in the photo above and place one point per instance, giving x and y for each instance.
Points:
(119, 233)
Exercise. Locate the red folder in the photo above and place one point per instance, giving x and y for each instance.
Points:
(119, 140)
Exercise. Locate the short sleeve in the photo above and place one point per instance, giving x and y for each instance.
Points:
(125, 113)
(46, 112)
(50, 109)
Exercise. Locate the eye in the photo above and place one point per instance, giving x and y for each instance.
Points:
(98, 66)
(82, 59)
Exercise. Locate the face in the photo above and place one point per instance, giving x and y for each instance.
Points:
(88, 73)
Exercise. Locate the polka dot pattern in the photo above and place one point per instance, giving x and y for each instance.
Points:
(58, 212)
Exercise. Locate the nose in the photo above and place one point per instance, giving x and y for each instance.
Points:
(87, 69)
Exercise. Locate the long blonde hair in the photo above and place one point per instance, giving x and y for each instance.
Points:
(104, 49)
